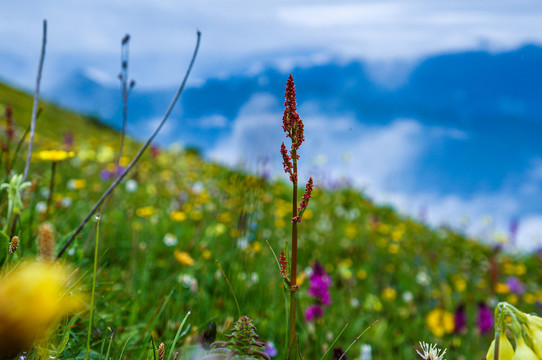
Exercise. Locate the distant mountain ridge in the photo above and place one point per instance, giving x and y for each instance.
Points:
(452, 87)
(493, 100)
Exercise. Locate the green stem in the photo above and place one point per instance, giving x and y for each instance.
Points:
(51, 189)
(293, 264)
(177, 335)
(231, 288)
(87, 354)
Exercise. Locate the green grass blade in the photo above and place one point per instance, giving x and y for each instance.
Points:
(93, 285)
(124, 347)
(170, 354)
(356, 339)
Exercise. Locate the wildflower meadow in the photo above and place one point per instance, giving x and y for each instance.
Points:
(112, 248)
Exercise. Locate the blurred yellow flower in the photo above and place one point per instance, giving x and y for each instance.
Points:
(301, 278)
(177, 216)
(225, 217)
(124, 161)
(32, 301)
(397, 235)
(393, 248)
(459, 283)
(501, 288)
(196, 215)
(256, 246)
(440, 322)
(206, 254)
(166, 175)
(512, 299)
(183, 257)
(520, 269)
(350, 231)
(55, 155)
(77, 184)
(529, 298)
(361, 274)
(145, 211)
(389, 294)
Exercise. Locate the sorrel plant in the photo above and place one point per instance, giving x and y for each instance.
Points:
(293, 127)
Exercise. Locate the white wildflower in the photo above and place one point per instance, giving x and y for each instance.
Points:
(430, 352)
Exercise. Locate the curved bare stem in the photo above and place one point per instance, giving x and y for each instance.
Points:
(36, 101)
(139, 154)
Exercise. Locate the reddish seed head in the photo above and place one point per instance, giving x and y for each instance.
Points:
(286, 160)
(291, 123)
(284, 265)
(304, 201)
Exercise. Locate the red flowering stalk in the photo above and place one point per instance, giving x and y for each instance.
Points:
(304, 202)
(284, 266)
(294, 129)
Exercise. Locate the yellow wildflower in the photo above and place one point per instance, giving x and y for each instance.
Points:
(55, 155)
(361, 274)
(32, 302)
(206, 254)
(301, 278)
(529, 298)
(177, 216)
(183, 257)
(440, 322)
(521, 269)
(389, 294)
(523, 352)
(506, 351)
(501, 288)
(124, 161)
(77, 184)
(512, 299)
(393, 248)
(350, 231)
(459, 283)
(225, 217)
(535, 330)
(256, 246)
(145, 211)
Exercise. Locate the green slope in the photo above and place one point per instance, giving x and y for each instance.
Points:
(53, 121)
(179, 213)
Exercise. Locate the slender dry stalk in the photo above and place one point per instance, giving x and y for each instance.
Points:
(123, 76)
(36, 101)
(138, 155)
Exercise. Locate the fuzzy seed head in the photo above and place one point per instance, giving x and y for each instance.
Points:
(46, 242)
(161, 351)
(14, 244)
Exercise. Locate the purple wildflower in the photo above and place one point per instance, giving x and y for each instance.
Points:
(270, 349)
(320, 282)
(106, 174)
(515, 285)
(313, 312)
(484, 319)
(460, 319)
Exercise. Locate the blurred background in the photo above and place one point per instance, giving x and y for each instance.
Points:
(432, 107)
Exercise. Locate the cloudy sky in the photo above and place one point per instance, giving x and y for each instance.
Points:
(245, 36)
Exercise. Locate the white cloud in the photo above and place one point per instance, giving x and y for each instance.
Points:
(382, 160)
(215, 121)
(529, 235)
(240, 33)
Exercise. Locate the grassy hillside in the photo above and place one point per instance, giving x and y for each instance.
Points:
(54, 122)
(164, 227)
